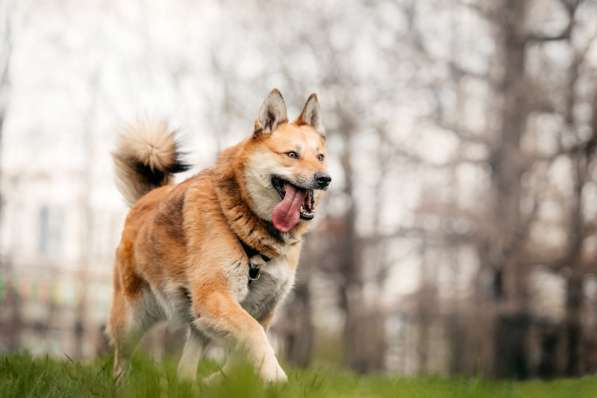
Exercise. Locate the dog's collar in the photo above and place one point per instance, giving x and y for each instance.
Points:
(254, 270)
(251, 251)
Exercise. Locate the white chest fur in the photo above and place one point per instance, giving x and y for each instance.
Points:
(264, 294)
(259, 298)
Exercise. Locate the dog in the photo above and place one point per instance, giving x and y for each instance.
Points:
(216, 253)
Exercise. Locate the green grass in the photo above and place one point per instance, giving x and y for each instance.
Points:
(23, 376)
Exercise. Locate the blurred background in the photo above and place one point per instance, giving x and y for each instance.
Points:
(460, 236)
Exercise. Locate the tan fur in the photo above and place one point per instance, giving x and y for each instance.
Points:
(180, 257)
(152, 145)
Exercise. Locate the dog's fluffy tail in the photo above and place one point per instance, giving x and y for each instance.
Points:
(146, 157)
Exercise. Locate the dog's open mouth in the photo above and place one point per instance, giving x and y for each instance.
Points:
(297, 203)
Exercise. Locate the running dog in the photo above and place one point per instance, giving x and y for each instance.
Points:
(217, 252)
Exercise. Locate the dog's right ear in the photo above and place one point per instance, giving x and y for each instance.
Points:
(271, 114)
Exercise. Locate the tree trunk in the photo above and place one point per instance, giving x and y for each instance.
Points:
(299, 330)
(573, 328)
(510, 276)
(351, 294)
(358, 353)
(426, 309)
(573, 325)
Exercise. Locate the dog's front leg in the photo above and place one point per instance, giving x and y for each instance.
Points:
(218, 312)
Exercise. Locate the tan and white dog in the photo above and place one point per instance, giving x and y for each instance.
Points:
(217, 252)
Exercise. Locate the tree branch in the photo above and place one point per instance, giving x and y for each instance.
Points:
(539, 37)
(536, 37)
(586, 147)
(459, 71)
(460, 132)
(482, 12)
(406, 232)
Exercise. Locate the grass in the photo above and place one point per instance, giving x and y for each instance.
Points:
(23, 376)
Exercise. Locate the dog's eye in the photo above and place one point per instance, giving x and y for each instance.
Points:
(292, 154)
(321, 157)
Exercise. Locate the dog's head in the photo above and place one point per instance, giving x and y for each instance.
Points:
(285, 166)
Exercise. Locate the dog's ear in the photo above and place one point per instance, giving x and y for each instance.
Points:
(311, 115)
(271, 114)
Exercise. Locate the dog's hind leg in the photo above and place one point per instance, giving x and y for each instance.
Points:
(132, 315)
(232, 359)
(191, 354)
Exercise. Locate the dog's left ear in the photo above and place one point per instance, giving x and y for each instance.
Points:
(311, 115)
(271, 114)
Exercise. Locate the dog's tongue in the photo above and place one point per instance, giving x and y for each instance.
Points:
(286, 214)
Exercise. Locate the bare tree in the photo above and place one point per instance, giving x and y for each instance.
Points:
(502, 228)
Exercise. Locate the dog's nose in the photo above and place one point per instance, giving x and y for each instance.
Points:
(322, 180)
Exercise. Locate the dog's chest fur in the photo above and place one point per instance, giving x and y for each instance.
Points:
(260, 297)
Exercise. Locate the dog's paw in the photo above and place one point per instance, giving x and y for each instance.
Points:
(272, 372)
(214, 378)
(187, 374)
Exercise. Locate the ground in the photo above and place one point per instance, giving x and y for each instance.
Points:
(23, 376)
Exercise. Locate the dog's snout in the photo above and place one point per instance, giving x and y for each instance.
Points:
(322, 180)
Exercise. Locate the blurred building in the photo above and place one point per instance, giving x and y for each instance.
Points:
(55, 295)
